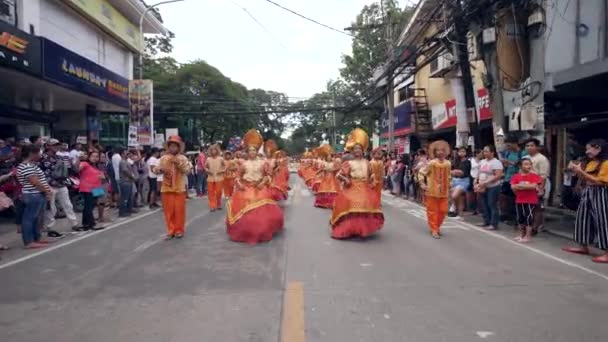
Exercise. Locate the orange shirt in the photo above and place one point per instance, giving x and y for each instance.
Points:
(216, 169)
(232, 168)
(377, 170)
(175, 172)
(438, 178)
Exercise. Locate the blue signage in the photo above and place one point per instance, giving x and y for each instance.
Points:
(403, 120)
(75, 72)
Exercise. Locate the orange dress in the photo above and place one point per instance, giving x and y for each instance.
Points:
(328, 187)
(438, 179)
(309, 173)
(357, 210)
(252, 215)
(280, 182)
(232, 168)
(377, 167)
(318, 168)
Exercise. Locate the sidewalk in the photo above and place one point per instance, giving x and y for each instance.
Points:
(10, 238)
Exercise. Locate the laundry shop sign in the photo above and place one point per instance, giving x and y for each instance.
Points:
(75, 72)
(19, 50)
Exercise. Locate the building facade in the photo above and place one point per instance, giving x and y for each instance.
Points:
(64, 62)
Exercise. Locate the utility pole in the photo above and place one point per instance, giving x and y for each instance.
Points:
(460, 28)
(390, 103)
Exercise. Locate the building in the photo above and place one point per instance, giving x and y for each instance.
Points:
(64, 62)
(576, 70)
(430, 83)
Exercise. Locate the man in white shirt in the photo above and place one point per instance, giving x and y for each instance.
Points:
(542, 167)
(76, 152)
(151, 163)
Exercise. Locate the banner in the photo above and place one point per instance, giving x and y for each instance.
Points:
(132, 140)
(159, 140)
(141, 106)
(169, 132)
(110, 20)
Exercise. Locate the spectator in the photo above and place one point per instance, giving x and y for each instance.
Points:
(525, 186)
(103, 200)
(115, 180)
(201, 175)
(139, 171)
(76, 152)
(540, 166)
(56, 173)
(408, 185)
(35, 189)
(488, 184)
(126, 183)
(473, 198)
(461, 181)
(36, 140)
(91, 189)
(510, 161)
(151, 163)
(592, 213)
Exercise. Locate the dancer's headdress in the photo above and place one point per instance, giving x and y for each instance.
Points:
(253, 139)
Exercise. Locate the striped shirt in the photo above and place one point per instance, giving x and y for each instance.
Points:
(26, 170)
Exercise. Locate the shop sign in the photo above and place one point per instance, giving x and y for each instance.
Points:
(19, 50)
(141, 109)
(483, 104)
(132, 139)
(444, 115)
(73, 71)
(403, 120)
(110, 20)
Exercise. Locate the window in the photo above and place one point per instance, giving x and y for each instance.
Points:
(434, 65)
(403, 94)
(7, 11)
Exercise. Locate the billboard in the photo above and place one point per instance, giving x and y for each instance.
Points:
(141, 107)
(110, 20)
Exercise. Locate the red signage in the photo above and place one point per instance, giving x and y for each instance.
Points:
(483, 104)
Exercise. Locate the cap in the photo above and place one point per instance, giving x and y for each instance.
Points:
(53, 142)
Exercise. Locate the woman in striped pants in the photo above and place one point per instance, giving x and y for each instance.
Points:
(592, 212)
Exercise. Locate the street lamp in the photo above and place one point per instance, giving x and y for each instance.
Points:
(141, 30)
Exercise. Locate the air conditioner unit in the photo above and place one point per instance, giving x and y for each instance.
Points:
(442, 65)
(7, 11)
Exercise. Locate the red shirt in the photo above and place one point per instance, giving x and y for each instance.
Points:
(90, 177)
(200, 161)
(526, 196)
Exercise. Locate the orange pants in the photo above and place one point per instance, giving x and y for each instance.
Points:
(174, 206)
(214, 190)
(436, 211)
(228, 187)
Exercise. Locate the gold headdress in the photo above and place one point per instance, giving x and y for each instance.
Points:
(439, 145)
(253, 139)
(325, 150)
(357, 137)
(270, 147)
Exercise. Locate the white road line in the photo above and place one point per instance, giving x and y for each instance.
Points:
(148, 244)
(530, 248)
(69, 242)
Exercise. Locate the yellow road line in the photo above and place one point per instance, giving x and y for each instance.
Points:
(292, 326)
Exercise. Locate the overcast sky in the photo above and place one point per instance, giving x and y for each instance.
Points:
(293, 56)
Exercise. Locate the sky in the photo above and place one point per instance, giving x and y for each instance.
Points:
(289, 55)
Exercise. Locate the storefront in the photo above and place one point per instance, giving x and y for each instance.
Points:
(21, 112)
(444, 120)
(403, 117)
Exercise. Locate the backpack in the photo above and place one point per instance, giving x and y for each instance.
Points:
(60, 171)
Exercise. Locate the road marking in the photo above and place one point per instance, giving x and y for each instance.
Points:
(292, 325)
(148, 244)
(79, 238)
(485, 334)
(366, 265)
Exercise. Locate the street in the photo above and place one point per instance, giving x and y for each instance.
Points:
(127, 284)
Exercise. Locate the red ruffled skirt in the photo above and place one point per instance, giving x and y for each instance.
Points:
(327, 191)
(279, 189)
(253, 216)
(357, 212)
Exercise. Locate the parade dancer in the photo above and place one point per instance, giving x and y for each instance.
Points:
(357, 210)
(308, 171)
(377, 166)
(436, 184)
(328, 186)
(232, 166)
(252, 215)
(174, 167)
(215, 168)
(280, 177)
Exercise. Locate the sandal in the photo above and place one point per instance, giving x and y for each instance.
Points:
(603, 259)
(576, 250)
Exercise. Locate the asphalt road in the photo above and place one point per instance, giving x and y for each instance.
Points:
(127, 284)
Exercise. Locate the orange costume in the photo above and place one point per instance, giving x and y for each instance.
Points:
(252, 215)
(377, 167)
(215, 180)
(309, 171)
(280, 177)
(328, 186)
(357, 210)
(438, 177)
(175, 169)
(232, 167)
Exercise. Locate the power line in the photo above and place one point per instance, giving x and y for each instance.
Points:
(309, 19)
(260, 24)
